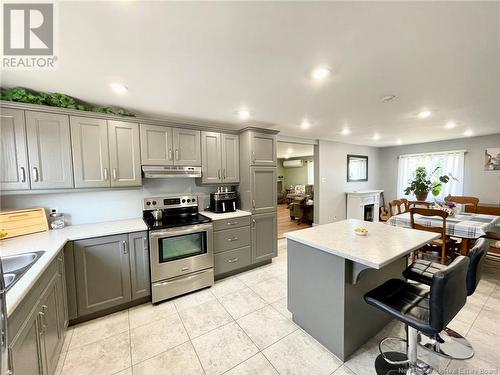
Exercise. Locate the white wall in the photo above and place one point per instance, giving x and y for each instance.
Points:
(80, 206)
(477, 182)
(331, 184)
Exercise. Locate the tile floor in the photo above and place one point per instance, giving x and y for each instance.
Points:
(242, 326)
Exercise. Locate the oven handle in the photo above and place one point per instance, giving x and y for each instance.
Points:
(179, 231)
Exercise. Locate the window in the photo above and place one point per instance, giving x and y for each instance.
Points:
(449, 162)
(310, 172)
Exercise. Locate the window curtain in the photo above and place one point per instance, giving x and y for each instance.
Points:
(449, 162)
(310, 173)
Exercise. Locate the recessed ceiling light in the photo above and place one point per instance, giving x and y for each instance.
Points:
(468, 133)
(305, 124)
(450, 125)
(289, 150)
(345, 131)
(376, 137)
(398, 141)
(320, 73)
(118, 88)
(424, 114)
(243, 114)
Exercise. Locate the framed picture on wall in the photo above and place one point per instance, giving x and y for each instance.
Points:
(357, 168)
(492, 159)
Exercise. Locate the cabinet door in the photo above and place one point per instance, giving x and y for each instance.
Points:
(230, 158)
(264, 237)
(49, 150)
(102, 273)
(51, 335)
(263, 148)
(211, 158)
(25, 351)
(264, 189)
(13, 151)
(187, 147)
(124, 153)
(63, 302)
(156, 145)
(89, 137)
(139, 264)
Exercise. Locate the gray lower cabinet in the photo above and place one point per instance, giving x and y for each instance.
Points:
(36, 327)
(124, 153)
(14, 173)
(139, 265)
(263, 189)
(264, 237)
(49, 150)
(187, 147)
(108, 271)
(102, 270)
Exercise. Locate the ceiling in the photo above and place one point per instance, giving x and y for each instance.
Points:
(292, 150)
(207, 59)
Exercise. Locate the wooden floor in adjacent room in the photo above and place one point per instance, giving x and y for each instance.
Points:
(285, 224)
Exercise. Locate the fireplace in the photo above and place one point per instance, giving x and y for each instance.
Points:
(363, 205)
(368, 212)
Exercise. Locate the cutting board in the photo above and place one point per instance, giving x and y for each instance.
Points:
(21, 222)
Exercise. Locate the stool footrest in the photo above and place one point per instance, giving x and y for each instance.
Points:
(382, 352)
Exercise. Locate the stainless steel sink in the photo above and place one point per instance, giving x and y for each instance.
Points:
(15, 266)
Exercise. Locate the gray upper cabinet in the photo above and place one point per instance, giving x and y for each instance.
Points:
(49, 150)
(14, 174)
(230, 158)
(156, 145)
(263, 189)
(124, 153)
(264, 237)
(102, 271)
(139, 264)
(211, 150)
(263, 149)
(89, 138)
(187, 147)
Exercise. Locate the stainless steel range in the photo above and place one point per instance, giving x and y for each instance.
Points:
(181, 246)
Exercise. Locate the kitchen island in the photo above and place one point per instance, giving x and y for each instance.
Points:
(330, 268)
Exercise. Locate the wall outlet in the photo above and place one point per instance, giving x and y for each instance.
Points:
(53, 210)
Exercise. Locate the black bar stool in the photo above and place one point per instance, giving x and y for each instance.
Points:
(448, 343)
(422, 309)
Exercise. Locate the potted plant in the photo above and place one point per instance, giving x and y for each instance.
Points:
(422, 184)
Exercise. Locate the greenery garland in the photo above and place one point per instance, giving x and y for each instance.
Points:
(55, 99)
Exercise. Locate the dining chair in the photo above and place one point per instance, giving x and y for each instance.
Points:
(395, 206)
(469, 201)
(442, 244)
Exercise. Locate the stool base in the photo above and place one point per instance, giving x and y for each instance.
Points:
(382, 367)
(454, 345)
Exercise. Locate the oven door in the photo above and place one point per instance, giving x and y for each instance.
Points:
(181, 250)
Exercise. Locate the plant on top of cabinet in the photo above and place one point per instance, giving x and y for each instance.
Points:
(56, 99)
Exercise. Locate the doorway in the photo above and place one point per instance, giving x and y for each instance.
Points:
(295, 186)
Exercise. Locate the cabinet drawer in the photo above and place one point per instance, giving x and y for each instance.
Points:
(232, 260)
(231, 239)
(232, 223)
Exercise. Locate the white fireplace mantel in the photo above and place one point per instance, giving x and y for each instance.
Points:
(363, 204)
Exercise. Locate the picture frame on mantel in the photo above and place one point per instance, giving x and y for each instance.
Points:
(357, 168)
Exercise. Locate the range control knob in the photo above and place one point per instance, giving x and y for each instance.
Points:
(148, 203)
(193, 200)
(189, 200)
(183, 201)
(154, 203)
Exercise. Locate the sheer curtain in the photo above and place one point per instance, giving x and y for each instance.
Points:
(449, 162)
(310, 172)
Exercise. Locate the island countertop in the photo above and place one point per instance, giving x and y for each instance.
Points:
(382, 245)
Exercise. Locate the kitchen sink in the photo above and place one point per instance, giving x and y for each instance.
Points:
(15, 266)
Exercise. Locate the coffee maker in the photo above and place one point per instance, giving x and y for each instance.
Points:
(223, 200)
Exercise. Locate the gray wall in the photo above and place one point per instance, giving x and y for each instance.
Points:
(81, 207)
(477, 182)
(331, 179)
(294, 176)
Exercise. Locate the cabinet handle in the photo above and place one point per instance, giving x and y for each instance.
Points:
(233, 260)
(114, 174)
(169, 154)
(10, 363)
(35, 174)
(23, 174)
(253, 223)
(43, 321)
(124, 247)
(232, 239)
(218, 173)
(224, 173)
(253, 203)
(177, 154)
(105, 174)
(232, 222)
(253, 156)
(145, 243)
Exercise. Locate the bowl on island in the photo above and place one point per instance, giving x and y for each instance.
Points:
(361, 231)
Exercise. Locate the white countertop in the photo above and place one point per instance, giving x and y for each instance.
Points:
(51, 242)
(225, 215)
(382, 245)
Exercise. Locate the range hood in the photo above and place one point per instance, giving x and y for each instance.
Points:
(164, 171)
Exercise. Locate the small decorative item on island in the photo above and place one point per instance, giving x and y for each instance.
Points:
(3, 234)
(56, 220)
(361, 231)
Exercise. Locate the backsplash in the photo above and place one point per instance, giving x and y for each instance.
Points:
(81, 207)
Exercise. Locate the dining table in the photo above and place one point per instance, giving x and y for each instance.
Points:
(464, 225)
